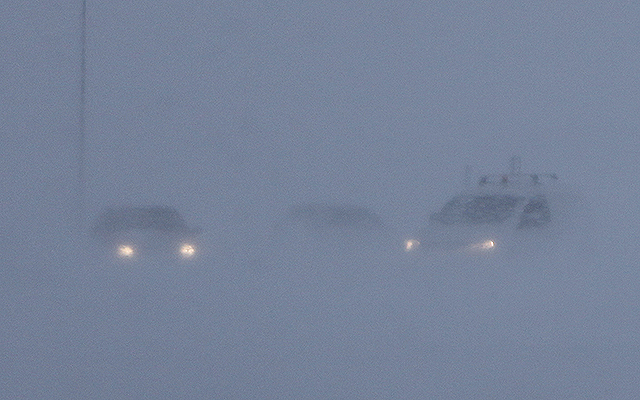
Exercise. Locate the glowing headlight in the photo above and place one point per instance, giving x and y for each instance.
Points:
(489, 244)
(187, 250)
(483, 246)
(411, 244)
(126, 251)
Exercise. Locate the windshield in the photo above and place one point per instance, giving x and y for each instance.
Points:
(157, 218)
(471, 210)
(332, 216)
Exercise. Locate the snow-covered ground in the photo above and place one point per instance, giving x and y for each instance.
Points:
(315, 318)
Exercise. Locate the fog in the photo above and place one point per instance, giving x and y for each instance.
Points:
(233, 112)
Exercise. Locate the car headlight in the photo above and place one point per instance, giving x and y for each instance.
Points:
(126, 251)
(483, 246)
(411, 244)
(187, 250)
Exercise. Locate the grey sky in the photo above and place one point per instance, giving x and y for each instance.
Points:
(377, 102)
(233, 110)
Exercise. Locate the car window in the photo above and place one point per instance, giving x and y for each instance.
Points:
(157, 218)
(470, 210)
(535, 213)
(322, 216)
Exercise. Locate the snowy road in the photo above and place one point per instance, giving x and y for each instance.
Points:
(318, 325)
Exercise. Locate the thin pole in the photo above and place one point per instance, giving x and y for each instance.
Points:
(81, 137)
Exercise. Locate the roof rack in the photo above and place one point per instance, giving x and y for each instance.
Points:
(516, 179)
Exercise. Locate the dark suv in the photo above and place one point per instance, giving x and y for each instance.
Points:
(135, 231)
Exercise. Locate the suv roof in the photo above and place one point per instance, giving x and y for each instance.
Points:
(322, 216)
(161, 218)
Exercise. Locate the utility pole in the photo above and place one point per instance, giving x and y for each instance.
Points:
(81, 194)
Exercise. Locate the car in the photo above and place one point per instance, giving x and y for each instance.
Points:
(501, 209)
(312, 233)
(134, 232)
(323, 216)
